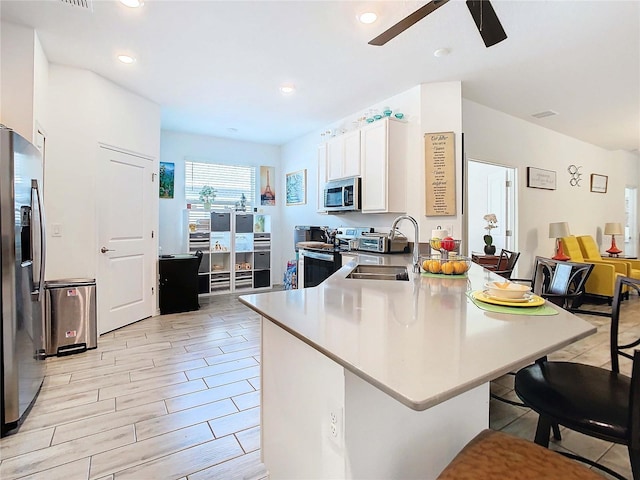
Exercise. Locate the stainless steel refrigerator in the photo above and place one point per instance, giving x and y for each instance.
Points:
(22, 260)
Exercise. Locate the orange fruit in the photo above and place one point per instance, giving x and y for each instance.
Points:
(459, 267)
(425, 265)
(448, 268)
(434, 266)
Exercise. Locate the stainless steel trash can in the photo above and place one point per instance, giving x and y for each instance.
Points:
(70, 316)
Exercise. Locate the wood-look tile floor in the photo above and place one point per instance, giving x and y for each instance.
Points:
(178, 397)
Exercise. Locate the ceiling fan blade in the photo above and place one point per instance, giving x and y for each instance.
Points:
(487, 22)
(406, 22)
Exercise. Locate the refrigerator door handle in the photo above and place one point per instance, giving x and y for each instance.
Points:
(43, 239)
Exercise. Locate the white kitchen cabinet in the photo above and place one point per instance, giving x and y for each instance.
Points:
(322, 176)
(384, 146)
(343, 156)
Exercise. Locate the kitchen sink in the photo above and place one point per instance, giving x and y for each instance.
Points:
(379, 272)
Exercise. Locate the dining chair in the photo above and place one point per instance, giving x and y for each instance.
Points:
(594, 401)
(602, 280)
(561, 283)
(492, 455)
(505, 264)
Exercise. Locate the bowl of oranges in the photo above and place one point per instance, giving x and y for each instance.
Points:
(454, 265)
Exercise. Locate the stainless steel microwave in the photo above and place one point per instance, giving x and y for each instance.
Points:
(342, 195)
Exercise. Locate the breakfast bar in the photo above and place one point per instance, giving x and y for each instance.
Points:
(372, 378)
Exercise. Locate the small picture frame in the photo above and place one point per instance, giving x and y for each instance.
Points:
(599, 183)
(539, 178)
(167, 176)
(296, 188)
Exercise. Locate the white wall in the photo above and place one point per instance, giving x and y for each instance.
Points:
(493, 136)
(175, 147)
(40, 88)
(84, 109)
(17, 50)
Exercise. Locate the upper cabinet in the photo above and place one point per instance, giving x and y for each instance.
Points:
(343, 156)
(384, 146)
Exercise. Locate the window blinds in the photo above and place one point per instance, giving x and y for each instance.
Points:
(229, 182)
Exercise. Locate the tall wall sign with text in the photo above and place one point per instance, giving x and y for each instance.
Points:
(440, 173)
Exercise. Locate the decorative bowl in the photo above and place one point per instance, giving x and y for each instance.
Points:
(454, 265)
(377, 116)
(399, 115)
(387, 113)
(507, 290)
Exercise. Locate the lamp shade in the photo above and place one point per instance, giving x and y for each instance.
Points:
(613, 229)
(558, 230)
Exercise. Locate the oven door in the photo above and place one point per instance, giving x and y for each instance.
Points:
(318, 267)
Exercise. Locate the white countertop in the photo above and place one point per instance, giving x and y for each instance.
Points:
(421, 341)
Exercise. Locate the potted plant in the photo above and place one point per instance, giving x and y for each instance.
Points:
(207, 195)
(492, 222)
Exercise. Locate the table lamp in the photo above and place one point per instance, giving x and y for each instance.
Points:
(558, 230)
(613, 229)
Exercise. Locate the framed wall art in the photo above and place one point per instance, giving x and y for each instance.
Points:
(267, 192)
(539, 178)
(167, 174)
(296, 187)
(599, 183)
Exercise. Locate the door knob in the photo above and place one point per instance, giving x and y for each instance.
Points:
(105, 250)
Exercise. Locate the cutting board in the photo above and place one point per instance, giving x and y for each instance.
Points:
(313, 245)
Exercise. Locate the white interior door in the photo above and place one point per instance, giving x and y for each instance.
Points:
(491, 189)
(126, 270)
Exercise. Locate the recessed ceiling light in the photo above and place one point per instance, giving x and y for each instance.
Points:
(287, 88)
(126, 59)
(441, 52)
(368, 17)
(132, 3)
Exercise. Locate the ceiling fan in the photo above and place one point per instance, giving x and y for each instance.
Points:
(482, 12)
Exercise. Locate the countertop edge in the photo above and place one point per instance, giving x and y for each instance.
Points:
(414, 404)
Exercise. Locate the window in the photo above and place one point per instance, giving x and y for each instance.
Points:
(229, 182)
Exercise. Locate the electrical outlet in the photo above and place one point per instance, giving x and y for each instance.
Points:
(449, 229)
(56, 230)
(335, 426)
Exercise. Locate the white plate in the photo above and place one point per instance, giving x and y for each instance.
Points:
(526, 298)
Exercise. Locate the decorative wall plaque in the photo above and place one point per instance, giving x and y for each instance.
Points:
(440, 173)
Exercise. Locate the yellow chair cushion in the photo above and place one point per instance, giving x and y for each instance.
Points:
(591, 252)
(603, 276)
(572, 248)
(589, 247)
(494, 455)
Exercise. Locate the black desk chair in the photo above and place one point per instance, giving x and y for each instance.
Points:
(505, 264)
(594, 401)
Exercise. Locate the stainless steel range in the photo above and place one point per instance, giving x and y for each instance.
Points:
(318, 262)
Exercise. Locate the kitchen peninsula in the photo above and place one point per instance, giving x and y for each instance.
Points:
(383, 378)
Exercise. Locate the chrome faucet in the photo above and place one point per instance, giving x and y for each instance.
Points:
(416, 239)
